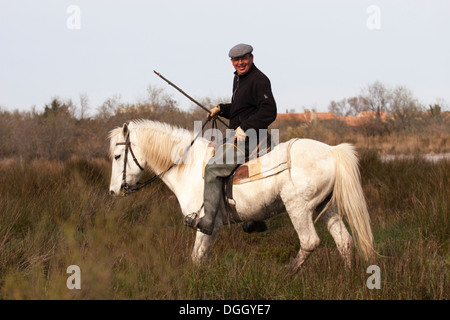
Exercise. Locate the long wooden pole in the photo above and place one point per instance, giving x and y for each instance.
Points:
(187, 96)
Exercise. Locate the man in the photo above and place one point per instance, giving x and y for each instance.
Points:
(252, 107)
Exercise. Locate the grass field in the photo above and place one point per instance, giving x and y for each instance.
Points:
(56, 214)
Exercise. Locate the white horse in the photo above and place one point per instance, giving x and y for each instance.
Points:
(317, 171)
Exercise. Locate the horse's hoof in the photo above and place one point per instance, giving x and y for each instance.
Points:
(254, 226)
(294, 266)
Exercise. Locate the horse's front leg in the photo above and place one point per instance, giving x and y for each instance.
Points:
(203, 243)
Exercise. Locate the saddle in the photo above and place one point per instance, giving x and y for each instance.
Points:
(262, 163)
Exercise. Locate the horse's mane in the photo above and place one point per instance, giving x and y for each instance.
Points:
(161, 143)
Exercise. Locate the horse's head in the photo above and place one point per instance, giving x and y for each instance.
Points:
(127, 160)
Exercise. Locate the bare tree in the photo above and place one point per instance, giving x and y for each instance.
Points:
(376, 97)
(158, 97)
(403, 106)
(443, 104)
(109, 107)
(357, 104)
(84, 105)
(348, 106)
(339, 108)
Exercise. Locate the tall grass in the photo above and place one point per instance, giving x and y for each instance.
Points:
(54, 214)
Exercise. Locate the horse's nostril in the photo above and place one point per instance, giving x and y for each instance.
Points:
(111, 193)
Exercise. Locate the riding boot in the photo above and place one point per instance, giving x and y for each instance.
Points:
(194, 223)
(212, 195)
(225, 160)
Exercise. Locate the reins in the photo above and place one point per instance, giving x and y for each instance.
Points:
(128, 188)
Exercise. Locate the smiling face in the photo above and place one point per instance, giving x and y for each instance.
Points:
(242, 64)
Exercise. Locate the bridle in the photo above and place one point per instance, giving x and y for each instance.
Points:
(128, 188)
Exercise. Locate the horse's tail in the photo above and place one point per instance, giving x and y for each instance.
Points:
(349, 197)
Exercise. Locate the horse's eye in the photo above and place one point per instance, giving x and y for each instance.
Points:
(117, 157)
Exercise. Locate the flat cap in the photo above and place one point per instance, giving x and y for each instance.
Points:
(240, 50)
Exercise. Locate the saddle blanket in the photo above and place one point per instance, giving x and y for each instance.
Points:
(267, 165)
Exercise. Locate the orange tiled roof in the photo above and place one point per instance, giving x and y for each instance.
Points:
(360, 119)
(307, 116)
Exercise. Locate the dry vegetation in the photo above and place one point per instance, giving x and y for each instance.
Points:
(55, 212)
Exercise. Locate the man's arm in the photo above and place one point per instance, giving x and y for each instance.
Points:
(225, 110)
(267, 108)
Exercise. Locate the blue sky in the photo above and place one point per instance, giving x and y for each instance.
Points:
(312, 51)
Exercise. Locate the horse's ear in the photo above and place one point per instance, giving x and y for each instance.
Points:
(125, 129)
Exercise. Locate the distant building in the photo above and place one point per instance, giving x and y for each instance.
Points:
(354, 121)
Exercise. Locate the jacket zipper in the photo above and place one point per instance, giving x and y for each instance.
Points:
(237, 86)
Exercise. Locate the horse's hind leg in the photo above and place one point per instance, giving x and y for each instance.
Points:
(339, 232)
(301, 218)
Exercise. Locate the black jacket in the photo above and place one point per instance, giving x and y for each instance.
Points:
(252, 105)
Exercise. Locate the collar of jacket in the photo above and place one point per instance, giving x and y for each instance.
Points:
(252, 68)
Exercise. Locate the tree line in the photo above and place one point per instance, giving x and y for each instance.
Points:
(399, 102)
(64, 129)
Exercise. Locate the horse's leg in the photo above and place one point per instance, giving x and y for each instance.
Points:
(301, 218)
(339, 232)
(203, 243)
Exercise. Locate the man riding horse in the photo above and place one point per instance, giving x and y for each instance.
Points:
(252, 107)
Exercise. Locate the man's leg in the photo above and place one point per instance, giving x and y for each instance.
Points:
(227, 157)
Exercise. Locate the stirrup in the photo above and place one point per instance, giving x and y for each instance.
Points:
(191, 220)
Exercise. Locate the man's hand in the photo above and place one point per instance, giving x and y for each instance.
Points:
(214, 112)
(239, 135)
